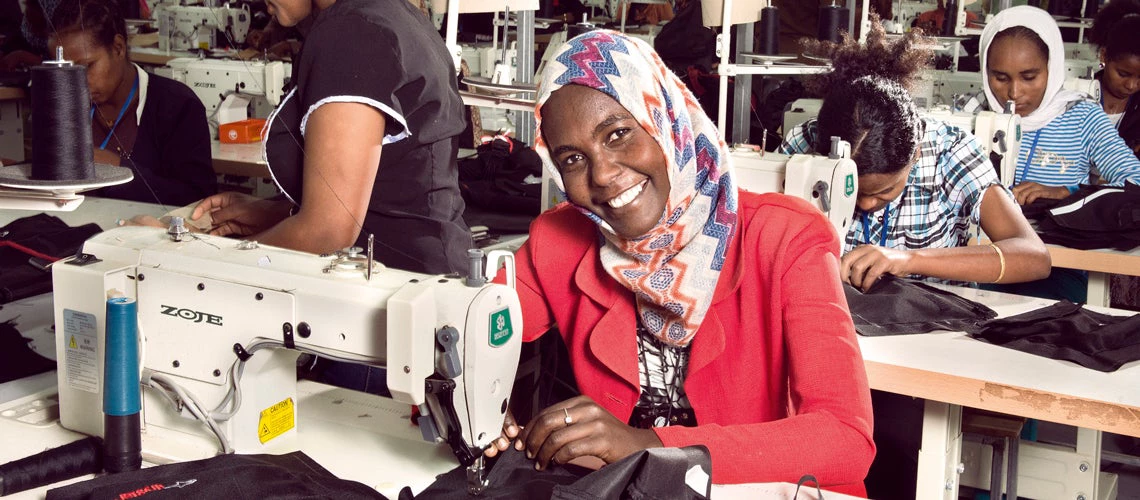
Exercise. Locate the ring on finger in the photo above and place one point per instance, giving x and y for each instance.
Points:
(568, 420)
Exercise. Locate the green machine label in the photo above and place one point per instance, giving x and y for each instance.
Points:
(501, 329)
(849, 185)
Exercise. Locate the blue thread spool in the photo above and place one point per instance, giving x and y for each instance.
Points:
(122, 439)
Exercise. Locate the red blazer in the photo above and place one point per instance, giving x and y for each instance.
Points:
(775, 376)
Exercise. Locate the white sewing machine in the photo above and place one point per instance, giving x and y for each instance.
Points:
(830, 183)
(222, 323)
(186, 27)
(230, 88)
(997, 133)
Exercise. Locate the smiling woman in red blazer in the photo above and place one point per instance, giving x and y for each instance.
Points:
(694, 313)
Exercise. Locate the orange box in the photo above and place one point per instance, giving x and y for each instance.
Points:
(241, 132)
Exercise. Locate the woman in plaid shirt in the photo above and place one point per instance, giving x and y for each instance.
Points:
(922, 183)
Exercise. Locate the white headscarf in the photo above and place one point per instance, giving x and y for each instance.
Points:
(1056, 99)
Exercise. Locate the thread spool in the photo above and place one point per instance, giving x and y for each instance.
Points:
(950, 20)
(71, 460)
(832, 18)
(61, 129)
(122, 440)
(770, 31)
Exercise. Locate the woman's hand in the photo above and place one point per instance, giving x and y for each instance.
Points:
(510, 431)
(579, 427)
(1028, 192)
(864, 265)
(238, 214)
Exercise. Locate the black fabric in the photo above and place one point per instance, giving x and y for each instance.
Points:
(21, 274)
(171, 154)
(404, 70)
(1095, 217)
(17, 360)
(648, 474)
(501, 185)
(294, 475)
(1069, 332)
(685, 41)
(897, 306)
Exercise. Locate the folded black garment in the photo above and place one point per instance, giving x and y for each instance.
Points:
(27, 244)
(899, 306)
(1095, 217)
(1069, 332)
(1041, 206)
(17, 360)
(652, 473)
(294, 475)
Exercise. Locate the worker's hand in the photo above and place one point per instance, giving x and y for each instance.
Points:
(579, 427)
(1028, 192)
(18, 59)
(239, 214)
(865, 264)
(511, 431)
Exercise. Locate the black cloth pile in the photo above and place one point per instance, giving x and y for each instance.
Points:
(652, 473)
(17, 360)
(501, 187)
(27, 245)
(1069, 332)
(1093, 217)
(898, 306)
(294, 475)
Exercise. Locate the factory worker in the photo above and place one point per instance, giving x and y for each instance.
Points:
(365, 143)
(693, 313)
(922, 183)
(153, 125)
(1065, 136)
(1114, 32)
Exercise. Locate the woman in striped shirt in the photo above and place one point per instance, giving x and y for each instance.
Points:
(1065, 136)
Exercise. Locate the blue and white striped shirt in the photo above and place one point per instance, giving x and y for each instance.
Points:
(1066, 149)
(943, 193)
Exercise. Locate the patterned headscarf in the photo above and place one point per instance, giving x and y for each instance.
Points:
(673, 269)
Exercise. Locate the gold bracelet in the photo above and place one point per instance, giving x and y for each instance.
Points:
(1001, 257)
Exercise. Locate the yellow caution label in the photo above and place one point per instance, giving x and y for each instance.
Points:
(73, 345)
(275, 420)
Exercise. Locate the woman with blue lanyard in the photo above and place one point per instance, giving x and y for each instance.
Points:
(1066, 136)
(922, 183)
(1114, 33)
(153, 125)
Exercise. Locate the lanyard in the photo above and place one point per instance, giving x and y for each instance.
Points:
(1029, 159)
(130, 97)
(886, 227)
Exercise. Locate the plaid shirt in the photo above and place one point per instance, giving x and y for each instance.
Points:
(943, 194)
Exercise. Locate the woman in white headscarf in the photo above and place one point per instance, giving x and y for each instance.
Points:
(1065, 135)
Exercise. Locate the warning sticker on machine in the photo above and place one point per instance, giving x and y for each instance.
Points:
(81, 358)
(275, 420)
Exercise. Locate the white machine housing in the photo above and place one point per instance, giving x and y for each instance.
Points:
(997, 133)
(233, 90)
(200, 297)
(829, 183)
(186, 27)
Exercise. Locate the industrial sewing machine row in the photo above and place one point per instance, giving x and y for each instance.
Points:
(187, 27)
(222, 322)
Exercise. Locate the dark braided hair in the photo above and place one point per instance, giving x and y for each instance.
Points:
(1023, 33)
(1116, 29)
(866, 101)
(101, 18)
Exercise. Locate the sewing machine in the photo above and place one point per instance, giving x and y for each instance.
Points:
(830, 183)
(997, 133)
(186, 27)
(230, 88)
(222, 323)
